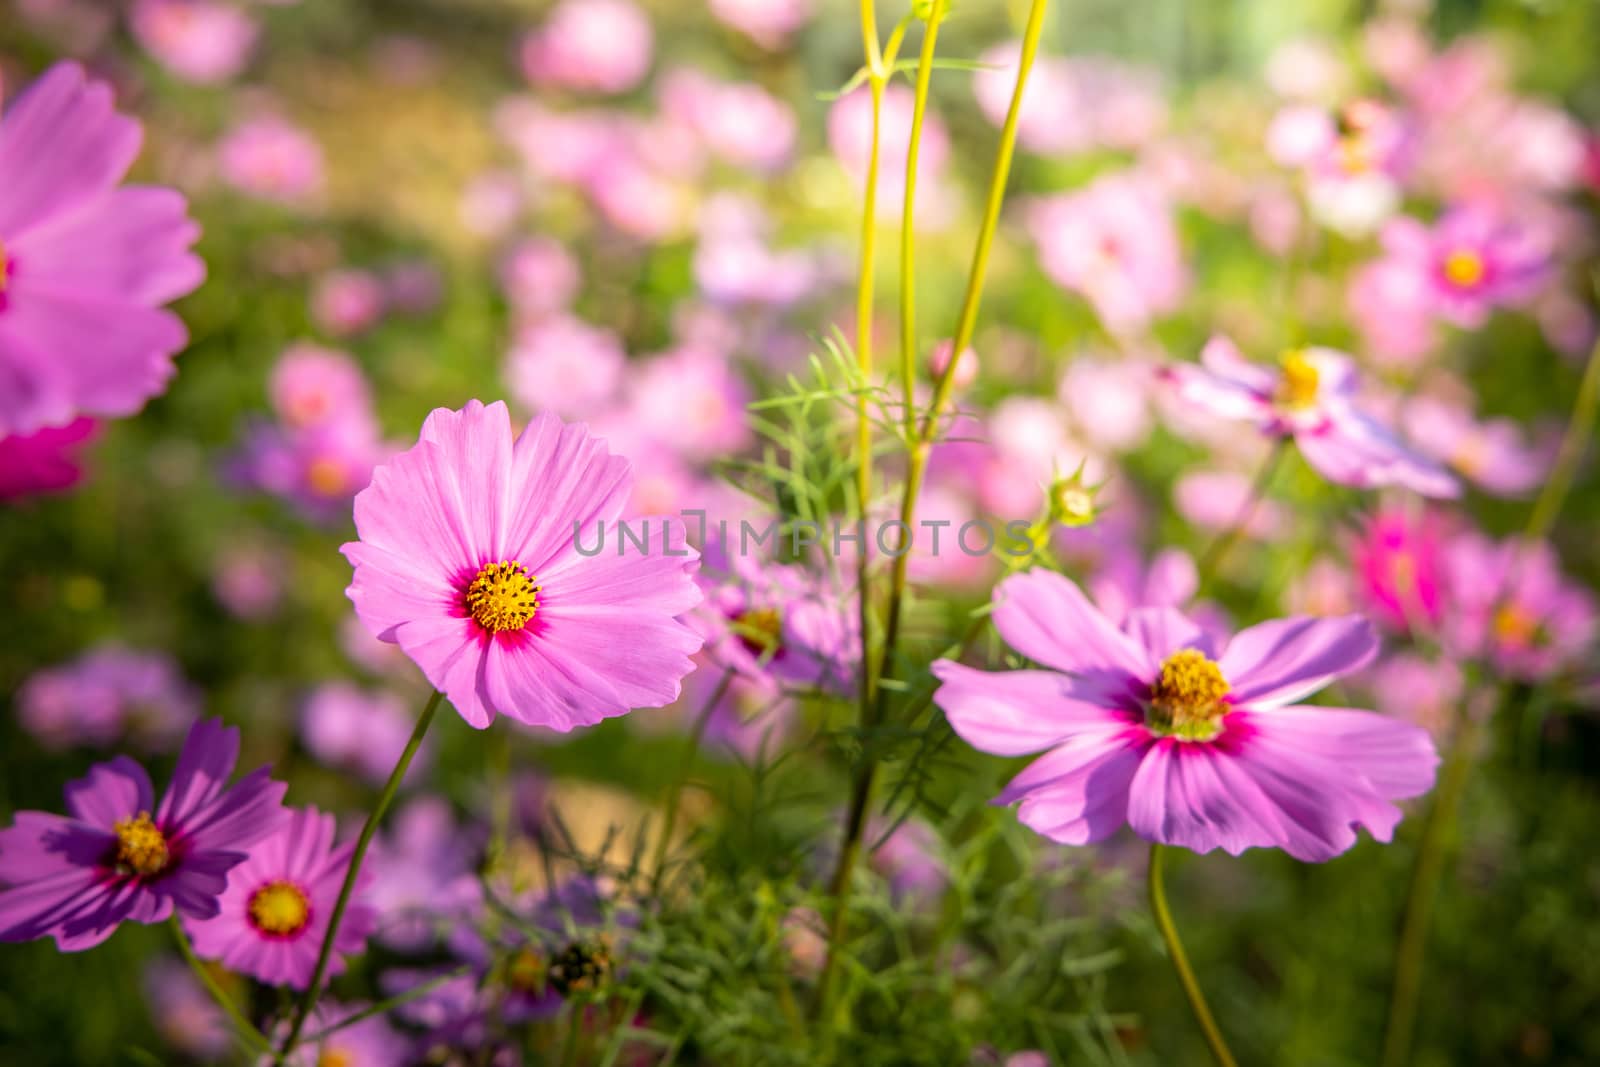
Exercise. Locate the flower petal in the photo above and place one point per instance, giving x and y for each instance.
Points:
(1278, 662)
(1048, 619)
(1012, 713)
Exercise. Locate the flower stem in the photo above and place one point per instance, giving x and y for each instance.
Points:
(669, 819)
(919, 445)
(1180, 961)
(308, 1001)
(1580, 427)
(247, 1030)
(1424, 888)
(383, 1007)
(1219, 549)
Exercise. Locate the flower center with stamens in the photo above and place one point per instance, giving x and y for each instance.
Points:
(580, 967)
(141, 846)
(5, 267)
(1298, 386)
(280, 908)
(1515, 627)
(1464, 268)
(1188, 701)
(326, 477)
(760, 630)
(504, 596)
(526, 971)
(333, 1056)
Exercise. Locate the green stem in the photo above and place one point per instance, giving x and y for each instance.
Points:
(308, 1000)
(383, 1007)
(1580, 427)
(669, 819)
(908, 230)
(1180, 961)
(919, 447)
(1213, 556)
(1432, 851)
(253, 1037)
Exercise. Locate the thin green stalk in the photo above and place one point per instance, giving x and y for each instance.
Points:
(908, 230)
(1573, 444)
(383, 1007)
(1180, 961)
(669, 819)
(308, 1000)
(1432, 851)
(253, 1037)
(919, 447)
(1213, 556)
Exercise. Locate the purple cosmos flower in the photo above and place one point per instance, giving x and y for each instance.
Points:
(84, 265)
(75, 877)
(372, 1042)
(274, 914)
(1312, 399)
(43, 461)
(108, 694)
(348, 728)
(424, 873)
(1152, 725)
(469, 560)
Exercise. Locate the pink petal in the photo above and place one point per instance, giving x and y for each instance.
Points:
(204, 767)
(1278, 662)
(1012, 713)
(1048, 619)
(130, 244)
(1396, 758)
(1163, 631)
(472, 465)
(567, 482)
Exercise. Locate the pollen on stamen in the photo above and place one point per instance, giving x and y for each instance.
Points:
(1464, 268)
(1189, 700)
(503, 596)
(280, 909)
(141, 846)
(1300, 382)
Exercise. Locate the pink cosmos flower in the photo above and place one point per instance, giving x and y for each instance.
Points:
(1353, 161)
(692, 401)
(766, 22)
(563, 365)
(248, 581)
(850, 137)
(1510, 606)
(540, 277)
(43, 461)
(601, 46)
(1190, 742)
(271, 159)
(76, 877)
(313, 386)
(1312, 398)
(274, 914)
(84, 265)
(197, 40)
(318, 469)
(1115, 243)
(469, 560)
(1472, 261)
(1071, 105)
(739, 122)
(107, 695)
(1491, 453)
(347, 302)
(1392, 306)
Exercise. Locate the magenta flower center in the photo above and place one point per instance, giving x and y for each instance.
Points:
(141, 846)
(1298, 386)
(280, 908)
(1189, 700)
(504, 596)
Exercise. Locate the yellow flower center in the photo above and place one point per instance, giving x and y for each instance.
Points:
(1298, 386)
(581, 967)
(504, 596)
(326, 477)
(1515, 627)
(760, 630)
(1187, 701)
(141, 846)
(280, 908)
(1464, 268)
(526, 971)
(333, 1056)
(5, 267)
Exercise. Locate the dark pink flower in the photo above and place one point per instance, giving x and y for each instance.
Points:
(118, 856)
(43, 461)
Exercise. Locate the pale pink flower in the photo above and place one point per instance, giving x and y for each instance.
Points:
(197, 40)
(273, 159)
(601, 46)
